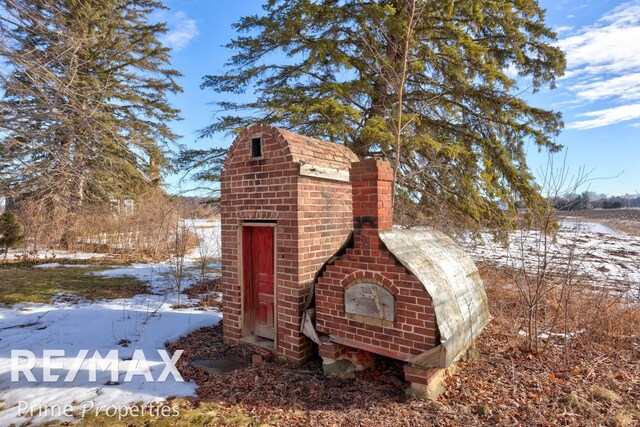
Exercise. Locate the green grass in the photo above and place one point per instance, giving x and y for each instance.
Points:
(187, 414)
(23, 283)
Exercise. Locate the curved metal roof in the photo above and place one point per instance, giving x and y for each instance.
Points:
(453, 282)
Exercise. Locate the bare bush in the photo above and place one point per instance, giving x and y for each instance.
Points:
(544, 275)
(42, 223)
(588, 317)
(179, 246)
(141, 232)
(557, 295)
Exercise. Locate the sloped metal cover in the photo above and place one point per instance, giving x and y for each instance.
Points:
(451, 279)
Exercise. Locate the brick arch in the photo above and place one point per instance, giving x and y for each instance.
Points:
(357, 276)
(273, 131)
(299, 148)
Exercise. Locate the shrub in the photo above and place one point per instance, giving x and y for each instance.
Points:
(10, 232)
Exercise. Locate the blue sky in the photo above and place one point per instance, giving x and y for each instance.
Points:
(599, 96)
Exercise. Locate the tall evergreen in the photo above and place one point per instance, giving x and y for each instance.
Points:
(84, 116)
(10, 232)
(427, 85)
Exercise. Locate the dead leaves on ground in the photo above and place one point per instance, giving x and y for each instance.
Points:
(506, 386)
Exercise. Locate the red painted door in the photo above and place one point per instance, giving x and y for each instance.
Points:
(258, 276)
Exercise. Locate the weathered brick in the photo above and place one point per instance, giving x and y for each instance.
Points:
(272, 189)
(368, 259)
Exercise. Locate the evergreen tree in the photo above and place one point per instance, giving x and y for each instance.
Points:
(10, 232)
(424, 84)
(84, 116)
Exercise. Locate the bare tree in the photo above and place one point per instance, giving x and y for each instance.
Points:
(180, 245)
(539, 268)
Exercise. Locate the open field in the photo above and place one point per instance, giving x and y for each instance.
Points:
(623, 214)
(620, 220)
(597, 255)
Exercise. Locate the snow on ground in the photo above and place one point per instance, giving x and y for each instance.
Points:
(208, 233)
(609, 257)
(144, 322)
(47, 254)
(58, 265)
(589, 228)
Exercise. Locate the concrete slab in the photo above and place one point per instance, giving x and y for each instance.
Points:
(220, 367)
(341, 368)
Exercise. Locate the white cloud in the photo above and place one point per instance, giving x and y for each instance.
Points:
(607, 117)
(563, 29)
(182, 30)
(607, 49)
(625, 87)
(511, 71)
(603, 64)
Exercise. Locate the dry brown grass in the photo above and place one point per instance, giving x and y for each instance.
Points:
(623, 226)
(24, 284)
(595, 314)
(140, 234)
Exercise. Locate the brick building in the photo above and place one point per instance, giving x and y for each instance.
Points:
(412, 295)
(286, 202)
(308, 245)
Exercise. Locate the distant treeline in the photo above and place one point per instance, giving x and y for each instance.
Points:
(196, 207)
(589, 200)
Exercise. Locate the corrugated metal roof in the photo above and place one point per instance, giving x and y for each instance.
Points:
(453, 282)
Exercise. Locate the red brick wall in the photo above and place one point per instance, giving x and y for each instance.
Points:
(313, 219)
(414, 329)
(371, 182)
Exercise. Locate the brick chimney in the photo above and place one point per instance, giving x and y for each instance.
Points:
(371, 186)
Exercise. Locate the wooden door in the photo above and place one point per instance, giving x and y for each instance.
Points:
(258, 277)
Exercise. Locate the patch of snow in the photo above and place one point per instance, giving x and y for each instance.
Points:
(198, 222)
(147, 321)
(611, 259)
(58, 265)
(17, 254)
(588, 227)
(208, 234)
(49, 265)
(547, 335)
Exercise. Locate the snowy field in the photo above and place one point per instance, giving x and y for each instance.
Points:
(144, 322)
(606, 257)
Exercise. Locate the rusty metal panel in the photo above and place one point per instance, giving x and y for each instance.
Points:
(451, 279)
(370, 300)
